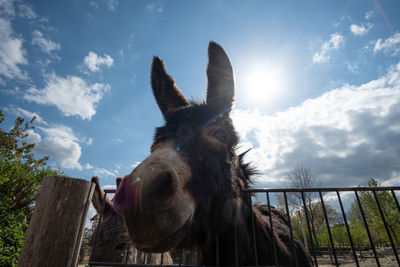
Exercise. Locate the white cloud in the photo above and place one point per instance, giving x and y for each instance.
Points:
(103, 172)
(27, 114)
(360, 29)
(134, 165)
(369, 14)
(47, 46)
(351, 67)
(7, 8)
(389, 46)
(112, 4)
(394, 181)
(72, 95)
(94, 4)
(26, 11)
(14, 91)
(89, 141)
(12, 54)
(60, 143)
(346, 135)
(33, 137)
(153, 7)
(333, 44)
(117, 140)
(93, 62)
(88, 166)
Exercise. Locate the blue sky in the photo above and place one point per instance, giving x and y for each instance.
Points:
(318, 82)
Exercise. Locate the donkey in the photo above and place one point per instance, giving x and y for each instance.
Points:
(114, 244)
(190, 192)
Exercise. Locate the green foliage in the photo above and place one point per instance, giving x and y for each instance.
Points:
(20, 178)
(339, 235)
(357, 229)
(319, 223)
(13, 226)
(359, 234)
(356, 224)
(374, 218)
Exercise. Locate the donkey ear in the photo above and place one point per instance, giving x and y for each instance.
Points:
(221, 84)
(98, 196)
(167, 95)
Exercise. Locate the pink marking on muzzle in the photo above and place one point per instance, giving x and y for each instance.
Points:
(126, 196)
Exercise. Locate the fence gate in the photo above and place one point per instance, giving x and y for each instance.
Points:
(355, 226)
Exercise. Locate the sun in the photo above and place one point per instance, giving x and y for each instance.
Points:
(262, 85)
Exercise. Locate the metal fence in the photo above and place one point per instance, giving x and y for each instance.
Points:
(379, 251)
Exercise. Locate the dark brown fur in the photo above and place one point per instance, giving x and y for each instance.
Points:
(206, 142)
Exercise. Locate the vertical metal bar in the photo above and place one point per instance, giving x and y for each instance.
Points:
(290, 229)
(217, 249)
(236, 244)
(127, 255)
(198, 255)
(329, 229)
(309, 228)
(103, 204)
(347, 228)
(253, 230)
(272, 231)
(162, 259)
(386, 227)
(367, 229)
(180, 257)
(395, 200)
(188, 258)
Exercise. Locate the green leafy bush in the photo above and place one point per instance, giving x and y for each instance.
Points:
(20, 178)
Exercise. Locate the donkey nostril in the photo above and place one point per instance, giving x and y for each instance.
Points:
(162, 187)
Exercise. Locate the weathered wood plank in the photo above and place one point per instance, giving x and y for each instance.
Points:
(56, 227)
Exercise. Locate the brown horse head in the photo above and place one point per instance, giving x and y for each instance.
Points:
(191, 161)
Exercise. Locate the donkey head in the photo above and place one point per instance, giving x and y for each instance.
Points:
(179, 186)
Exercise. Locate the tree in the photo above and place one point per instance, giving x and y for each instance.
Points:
(357, 230)
(302, 178)
(339, 236)
(374, 217)
(20, 178)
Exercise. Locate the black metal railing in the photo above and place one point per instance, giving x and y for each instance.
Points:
(326, 199)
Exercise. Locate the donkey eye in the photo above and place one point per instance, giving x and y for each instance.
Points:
(179, 144)
(219, 134)
(179, 147)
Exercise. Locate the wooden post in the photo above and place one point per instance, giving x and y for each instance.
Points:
(56, 227)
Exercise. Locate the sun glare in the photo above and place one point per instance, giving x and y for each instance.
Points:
(262, 85)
